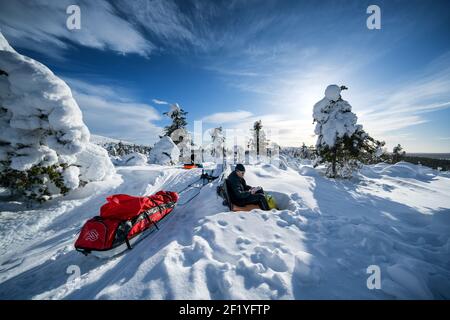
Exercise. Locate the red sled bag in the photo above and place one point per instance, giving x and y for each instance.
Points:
(122, 221)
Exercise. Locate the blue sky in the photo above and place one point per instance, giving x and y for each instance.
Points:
(230, 63)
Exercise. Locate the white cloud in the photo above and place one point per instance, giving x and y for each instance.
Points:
(157, 101)
(226, 117)
(280, 128)
(162, 19)
(407, 104)
(41, 26)
(383, 111)
(110, 112)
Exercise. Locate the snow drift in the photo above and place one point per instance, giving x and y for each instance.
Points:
(42, 124)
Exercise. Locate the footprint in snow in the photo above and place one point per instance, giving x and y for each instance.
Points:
(272, 259)
(223, 223)
(242, 240)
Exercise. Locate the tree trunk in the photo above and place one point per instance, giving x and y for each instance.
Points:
(257, 144)
(333, 163)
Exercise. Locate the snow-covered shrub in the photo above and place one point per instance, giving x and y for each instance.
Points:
(165, 152)
(44, 144)
(342, 144)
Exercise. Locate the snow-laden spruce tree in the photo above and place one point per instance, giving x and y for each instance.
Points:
(178, 133)
(44, 144)
(342, 144)
(178, 116)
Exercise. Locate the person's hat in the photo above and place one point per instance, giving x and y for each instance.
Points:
(240, 167)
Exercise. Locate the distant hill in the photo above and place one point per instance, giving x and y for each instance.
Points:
(101, 140)
(435, 162)
(439, 156)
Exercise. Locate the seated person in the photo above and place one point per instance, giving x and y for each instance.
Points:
(242, 194)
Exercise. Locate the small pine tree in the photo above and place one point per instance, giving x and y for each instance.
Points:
(341, 144)
(178, 116)
(398, 154)
(304, 152)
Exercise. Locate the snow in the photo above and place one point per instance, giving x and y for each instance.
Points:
(164, 152)
(4, 45)
(318, 245)
(134, 159)
(95, 163)
(41, 122)
(71, 177)
(333, 92)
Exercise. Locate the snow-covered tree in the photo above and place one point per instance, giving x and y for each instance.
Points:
(217, 143)
(398, 154)
(44, 144)
(184, 144)
(178, 133)
(304, 152)
(342, 144)
(178, 116)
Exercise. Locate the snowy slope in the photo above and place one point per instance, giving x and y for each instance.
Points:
(318, 246)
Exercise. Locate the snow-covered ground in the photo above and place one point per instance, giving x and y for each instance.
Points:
(318, 245)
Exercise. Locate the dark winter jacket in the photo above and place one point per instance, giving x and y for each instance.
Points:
(239, 190)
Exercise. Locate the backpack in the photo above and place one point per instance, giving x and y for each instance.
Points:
(222, 191)
(270, 201)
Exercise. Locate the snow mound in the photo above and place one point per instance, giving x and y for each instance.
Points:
(134, 159)
(164, 152)
(41, 122)
(95, 163)
(400, 170)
